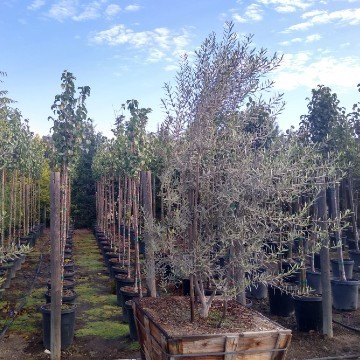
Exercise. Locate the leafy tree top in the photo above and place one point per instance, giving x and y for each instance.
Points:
(327, 125)
(71, 114)
(324, 116)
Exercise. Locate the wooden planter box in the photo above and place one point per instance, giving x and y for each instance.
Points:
(157, 344)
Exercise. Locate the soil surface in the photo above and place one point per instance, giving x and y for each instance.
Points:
(99, 330)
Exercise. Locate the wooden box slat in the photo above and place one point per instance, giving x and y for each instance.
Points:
(255, 345)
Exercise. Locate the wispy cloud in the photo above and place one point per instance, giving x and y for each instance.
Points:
(63, 9)
(112, 10)
(132, 7)
(252, 13)
(36, 4)
(307, 39)
(89, 12)
(347, 16)
(159, 44)
(312, 38)
(310, 14)
(286, 6)
(77, 10)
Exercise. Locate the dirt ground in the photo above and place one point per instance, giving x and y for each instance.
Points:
(21, 327)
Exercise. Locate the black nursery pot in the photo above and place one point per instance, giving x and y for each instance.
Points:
(355, 256)
(128, 294)
(281, 302)
(66, 299)
(131, 319)
(257, 291)
(313, 279)
(345, 294)
(348, 267)
(67, 284)
(120, 282)
(317, 262)
(308, 313)
(67, 325)
(186, 287)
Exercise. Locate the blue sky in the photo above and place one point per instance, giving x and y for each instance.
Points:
(128, 50)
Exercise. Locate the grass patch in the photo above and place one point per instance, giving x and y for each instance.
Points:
(134, 346)
(36, 298)
(90, 295)
(104, 312)
(90, 261)
(105, 329)
(27, 323)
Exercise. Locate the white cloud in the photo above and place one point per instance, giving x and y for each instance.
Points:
(285, 9)
(301, 70)
(252, 13)
(155, 55)
(159, 43)
(112, 10)
(133, 7)
(289, 42)
(285, 6)
(36, 4)
(78, 10)
(312, 38)
(63, 9)
(346, 16)
(312, 13)
(89, 12)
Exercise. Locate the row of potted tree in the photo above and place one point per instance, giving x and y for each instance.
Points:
(22, 168)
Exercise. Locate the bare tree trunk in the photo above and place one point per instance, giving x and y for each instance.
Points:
(335, 217)
(325, 268)
(113, 210)
(55, 234)
(119, 218)
(149, 240)
(27, 208)
(128, 220)
(11, 210)
(138, 282)
(21, 196)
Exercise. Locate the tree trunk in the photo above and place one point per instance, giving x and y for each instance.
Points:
(56, 283)
(149, 240)
(325, 268)
(136, 235)
(335, 216)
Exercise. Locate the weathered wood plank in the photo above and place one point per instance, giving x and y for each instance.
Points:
(231, 345)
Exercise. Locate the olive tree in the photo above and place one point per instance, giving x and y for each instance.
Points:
(227, 184)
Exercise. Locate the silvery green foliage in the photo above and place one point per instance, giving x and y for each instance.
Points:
(12, 252)
(228, 181)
